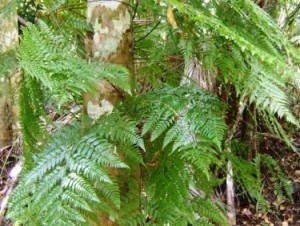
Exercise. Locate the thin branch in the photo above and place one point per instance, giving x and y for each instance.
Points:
(156, 25)
(22, 21)
(135, 10)
(291, 15)
(7, 156)
(13, 177)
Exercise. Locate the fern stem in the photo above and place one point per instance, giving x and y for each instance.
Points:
(230, 193)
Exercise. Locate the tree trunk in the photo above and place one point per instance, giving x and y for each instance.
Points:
(8, 112)
(111, 42)
(8, 40)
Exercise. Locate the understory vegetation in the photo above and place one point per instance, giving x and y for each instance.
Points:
(212, 81)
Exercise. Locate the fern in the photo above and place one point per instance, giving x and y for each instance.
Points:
(30, 99)
(267, 74)
(198, 137)
(248, 179)
(68, 169)
(182, 106)
(268, 93)
(208, 209)
(77, 174)
(283, 186)
(58, 72)
(153, 159)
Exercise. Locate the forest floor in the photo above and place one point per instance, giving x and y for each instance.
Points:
(282, 211)
(7, 161)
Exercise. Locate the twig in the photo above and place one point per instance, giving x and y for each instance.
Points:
(156, 25)
(5, 161)
(135, 10)
(291, 16)
(12, 179)
(22, 21)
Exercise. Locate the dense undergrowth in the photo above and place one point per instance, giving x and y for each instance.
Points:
(161, 156)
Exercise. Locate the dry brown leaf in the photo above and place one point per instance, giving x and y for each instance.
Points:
(297, 173)
(171, 17)
(246, 212)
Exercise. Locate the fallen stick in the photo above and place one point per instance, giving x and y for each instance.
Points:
(6, 191)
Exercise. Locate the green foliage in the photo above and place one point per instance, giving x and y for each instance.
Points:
(248, 175)
(77, 176)
(247, 47)
(183, 107)
(27, 9)
(156, 158)
(283, 186)
(75, 164)
(31, 111)
(67, 17)
(183, 142)
(64, 75)
(249, 180)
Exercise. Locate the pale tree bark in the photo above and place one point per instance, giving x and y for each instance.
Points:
(111, 42)
(8, 107)
(8, 40)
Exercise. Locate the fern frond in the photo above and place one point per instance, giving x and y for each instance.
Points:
(167, 197)
(283, 185)
(276, 128)
(201, 160)
(119, 127)
(247, 175)
(183, 106)
(255, 64)
(64, 178)
(171, 135)
(31, 109)
(79, 184)
(210, 212)
(58, 72)
(267, 25)
(180, 133)
(268, 93)
(76, 200)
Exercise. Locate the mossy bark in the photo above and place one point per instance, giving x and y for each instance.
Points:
(8, 41)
